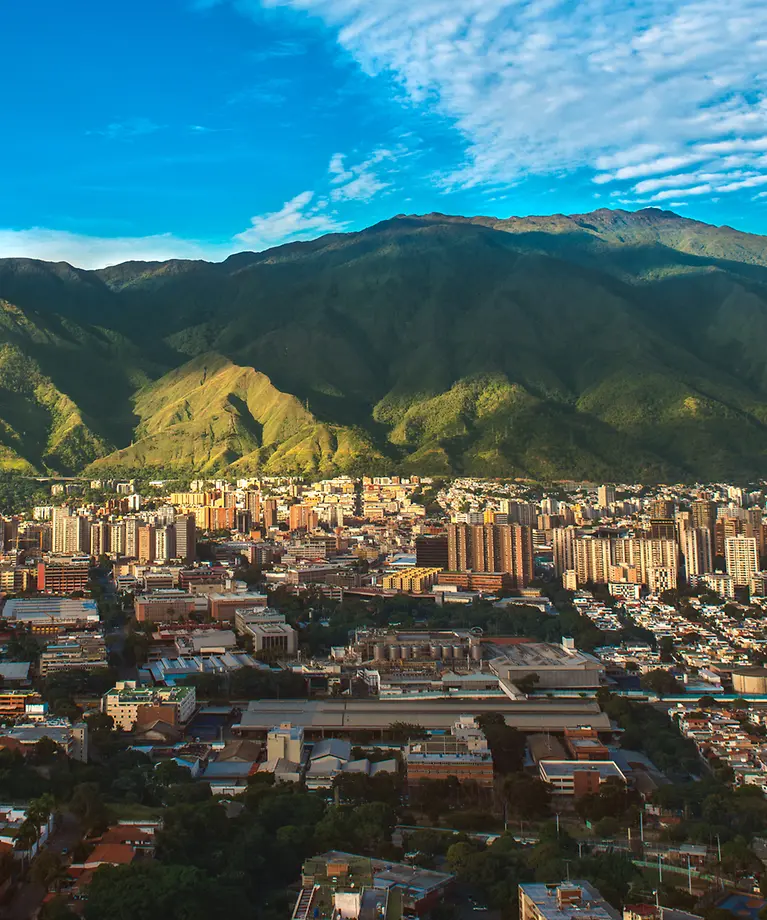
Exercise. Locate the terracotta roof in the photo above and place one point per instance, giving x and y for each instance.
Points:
(125, 833)
(113, 853)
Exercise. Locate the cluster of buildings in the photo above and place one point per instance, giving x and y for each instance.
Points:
(725, 736)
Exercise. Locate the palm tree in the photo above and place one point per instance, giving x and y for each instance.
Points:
(26, 837)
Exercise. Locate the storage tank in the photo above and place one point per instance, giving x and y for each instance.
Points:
(458, 651)
(405, 653)
(392, 652)
(476, 652)
(750, 680)
(434, 652)
(447, 651)
(378, 651)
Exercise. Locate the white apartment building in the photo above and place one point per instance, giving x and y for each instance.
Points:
(742, 559)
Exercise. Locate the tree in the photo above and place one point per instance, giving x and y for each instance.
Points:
(405, 731)
(507, 745)
(666, 649)
(528, 683)
(526, 796)
(661, 682)
(48, 870)
(87, 803)
(57, 909)
(151, 891)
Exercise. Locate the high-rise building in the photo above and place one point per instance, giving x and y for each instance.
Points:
(147, 550)
(270, 512)
(698, 552)
(117, 538)
(131, 537)
(71, 532)
(742, 559)
(492, 548)
(725, 528)
(563, 549)
(662, 554)
(253, 505)
(661, 508)
(592, 560)
(606, 496)
(185, 528)
(518, 512)
(99, 538)
(303, 517)
(663, 529)
(165, 543)
(431, 552)
(704, 514)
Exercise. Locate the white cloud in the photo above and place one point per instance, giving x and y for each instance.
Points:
(96, 252)
(547, 86)
(300, 218)
(360, 181)
(672, 193)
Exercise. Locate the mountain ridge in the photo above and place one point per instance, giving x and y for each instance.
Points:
(615, 344)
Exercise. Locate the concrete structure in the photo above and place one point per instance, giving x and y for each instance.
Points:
(63, 576)
(224, 606)
(576, 900)
(83, 652)
(492, 548)
(575, 778)
(128, 704)
(583, 744)
(411, 580)
(556, 666)
(357, 888)
(166, 606)
(749, 680)
(51, 614)
(463, 754)
(71, 738)
(345, 717)
(742, 558)
(285, 741)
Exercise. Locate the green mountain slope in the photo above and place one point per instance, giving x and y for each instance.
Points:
(210, 414)
(611, 344)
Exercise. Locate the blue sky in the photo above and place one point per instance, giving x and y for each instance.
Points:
(197, 128)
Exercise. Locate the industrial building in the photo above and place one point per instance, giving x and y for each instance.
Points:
(51, 614)
(347, 717)
(555, 666)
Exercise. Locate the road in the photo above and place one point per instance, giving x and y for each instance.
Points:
(29, 897)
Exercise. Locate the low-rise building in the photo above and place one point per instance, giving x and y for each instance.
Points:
(166, 606)
(577, 778)
(129, 704)
(464, 754)
(224, 606)
(51, 615)
(563, 901)
(357, 888)
(411, 580)
(83, 652)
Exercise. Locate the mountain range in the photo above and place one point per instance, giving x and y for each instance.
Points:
(609, 345)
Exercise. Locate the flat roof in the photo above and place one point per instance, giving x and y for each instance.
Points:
(591, 905)
(564, 768)
(356, 714)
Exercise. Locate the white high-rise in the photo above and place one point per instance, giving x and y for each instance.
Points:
(742, 558)
(698, 552)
